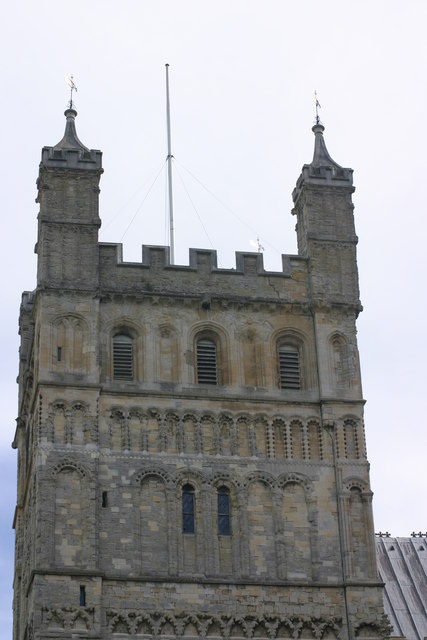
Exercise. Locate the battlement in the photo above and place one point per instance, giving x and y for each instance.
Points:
(332, 176)
(79, 158)
(158, 257)
(202, 274)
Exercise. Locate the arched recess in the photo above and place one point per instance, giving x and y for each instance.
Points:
(118, 440)
(137, 420)
(297, 529)
(279, 434)
(120, 625)
(315, 440)
(360, 535)
(192, 627)
(57, 417)
(296, 429)
(154, 438)
(260, 424)
(167, 354)
(168, 627)
(73, 524)
(358, 544)
(172, 433)
(341, 363)
(191, 434)
(290, 352)
(153, 524)
(251, 339)
(209, 436)
(374, 630)
(144, 625)
(285, 629)
(351, 439)
(245, 439)
(69, 341)
(216, 627)
(226, 435)
(261, 629)
(80, 427)
(210, 346)
(261, 528)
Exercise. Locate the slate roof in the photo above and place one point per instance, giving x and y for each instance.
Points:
(402, 565)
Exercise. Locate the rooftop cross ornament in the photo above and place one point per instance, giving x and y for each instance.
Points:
(70, 81)
(317, 103)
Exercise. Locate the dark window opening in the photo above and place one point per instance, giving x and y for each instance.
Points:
(224, 523)
(122, 357)
(82, 596)
(59, 354)
(104, 500)
(207, 365)
(289, 367)
(187, 509)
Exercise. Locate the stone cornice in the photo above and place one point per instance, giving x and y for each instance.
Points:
(198, 392)
(203, 580)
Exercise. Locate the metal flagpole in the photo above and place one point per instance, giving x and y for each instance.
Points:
(169, 158)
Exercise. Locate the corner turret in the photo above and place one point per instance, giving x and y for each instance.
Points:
(325, 227)
(68, 193)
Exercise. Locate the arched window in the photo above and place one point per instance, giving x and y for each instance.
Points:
(289, 367)
(207, 363)
(224, 522)
(122, 357)
(188, 509)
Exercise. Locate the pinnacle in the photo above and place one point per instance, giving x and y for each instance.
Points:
(70, 139)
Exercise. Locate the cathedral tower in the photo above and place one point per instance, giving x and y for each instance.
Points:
(191, 457)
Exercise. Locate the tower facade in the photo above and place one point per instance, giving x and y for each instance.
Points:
(191, 453)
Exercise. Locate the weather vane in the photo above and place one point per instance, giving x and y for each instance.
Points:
(70, 81)
(257, 245)
(317, 103)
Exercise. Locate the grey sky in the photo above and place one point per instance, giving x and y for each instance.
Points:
(242, 78)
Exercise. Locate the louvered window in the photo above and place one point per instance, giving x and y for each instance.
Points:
(224, 524)
(187, 509)
(207, 366)
(289, 367)
(122, 357)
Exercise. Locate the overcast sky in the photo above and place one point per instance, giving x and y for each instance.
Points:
(242, 78)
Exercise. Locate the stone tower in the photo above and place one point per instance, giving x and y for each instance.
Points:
(191, 457)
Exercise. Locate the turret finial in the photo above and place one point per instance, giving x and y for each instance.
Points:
(321, 157)
(70, 139)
